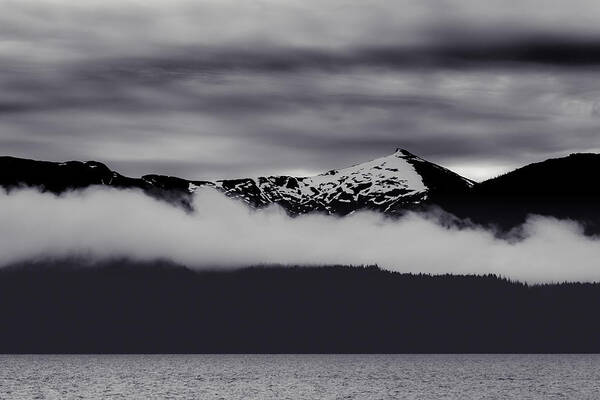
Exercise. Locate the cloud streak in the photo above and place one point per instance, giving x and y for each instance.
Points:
(223, 233)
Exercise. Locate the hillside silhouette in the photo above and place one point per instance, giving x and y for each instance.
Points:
(563, 188)
(126, 307)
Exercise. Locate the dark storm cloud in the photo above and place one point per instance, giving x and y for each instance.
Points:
(546, 50)
(549, 50)
(210, 63)
(222, 88)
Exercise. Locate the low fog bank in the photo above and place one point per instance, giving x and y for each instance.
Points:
(104, 223)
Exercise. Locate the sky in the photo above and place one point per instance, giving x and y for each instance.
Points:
(221, 88)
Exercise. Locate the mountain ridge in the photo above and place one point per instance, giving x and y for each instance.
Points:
(559, 187)
(389, 184)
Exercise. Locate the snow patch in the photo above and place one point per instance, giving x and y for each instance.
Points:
(192, 187)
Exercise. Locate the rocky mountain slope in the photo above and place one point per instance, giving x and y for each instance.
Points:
(388, 184)
(563, 188)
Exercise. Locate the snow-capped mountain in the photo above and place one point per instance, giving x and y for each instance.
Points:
(389, 184)
(562, 188)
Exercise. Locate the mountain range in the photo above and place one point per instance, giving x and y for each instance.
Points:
(563, 187)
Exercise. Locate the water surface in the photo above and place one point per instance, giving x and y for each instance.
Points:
(300, 376)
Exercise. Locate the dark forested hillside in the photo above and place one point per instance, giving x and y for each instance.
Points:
(59, 177)
(567, 176)
(160, 308)
(71, 175)
(563, 188)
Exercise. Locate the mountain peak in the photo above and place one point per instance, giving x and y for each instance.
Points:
(403, 152)
(389, 184)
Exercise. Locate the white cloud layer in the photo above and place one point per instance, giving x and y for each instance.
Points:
(224, 233)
